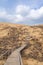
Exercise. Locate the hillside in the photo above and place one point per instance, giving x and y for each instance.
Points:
(15, 35)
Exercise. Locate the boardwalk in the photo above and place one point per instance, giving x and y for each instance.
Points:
(15, 57)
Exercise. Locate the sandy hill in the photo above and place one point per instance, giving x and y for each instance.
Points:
(15, 35)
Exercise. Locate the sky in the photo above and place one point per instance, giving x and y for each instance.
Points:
(29, 12)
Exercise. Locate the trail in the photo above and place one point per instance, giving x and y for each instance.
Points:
(15, 57)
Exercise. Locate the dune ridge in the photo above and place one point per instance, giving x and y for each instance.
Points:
(14, 35)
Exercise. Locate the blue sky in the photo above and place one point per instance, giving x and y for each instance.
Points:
(21, 11)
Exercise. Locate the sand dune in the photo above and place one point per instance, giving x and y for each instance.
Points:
(14, 35)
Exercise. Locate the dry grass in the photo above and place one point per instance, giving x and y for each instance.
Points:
(14, 35)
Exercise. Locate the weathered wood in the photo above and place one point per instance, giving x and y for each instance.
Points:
(15, 57)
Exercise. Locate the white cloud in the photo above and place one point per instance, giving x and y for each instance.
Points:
(29, 14)
(2, 12)
(18, 18)
(23, 13)
(36, 14)
(22, 9)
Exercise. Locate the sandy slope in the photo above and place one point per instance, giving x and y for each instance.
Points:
(14, 35)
